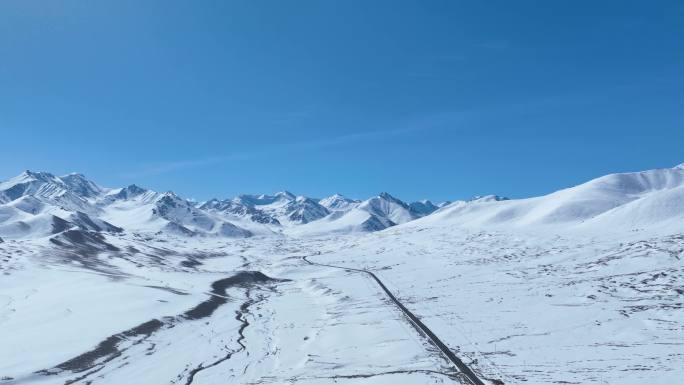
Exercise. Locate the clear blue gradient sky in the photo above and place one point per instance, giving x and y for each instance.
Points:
(436, 99)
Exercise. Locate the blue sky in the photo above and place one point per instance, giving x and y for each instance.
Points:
(435, 99)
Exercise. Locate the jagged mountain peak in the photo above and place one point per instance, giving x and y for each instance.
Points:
(338, 197)
(305, 210)
(423, 207)
(171, 199)
(28, 174)
(75, 183)
(80, 185)
(134, 188)
(129, 192)
(36, 174)
(31, 176)
(385, 196)
(338, 202)
(385, 205)
(170, 194)
(48, 188)
(302, 199)
(285, 195)
(233, 207)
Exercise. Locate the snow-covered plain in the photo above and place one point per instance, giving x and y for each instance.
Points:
(581, 286)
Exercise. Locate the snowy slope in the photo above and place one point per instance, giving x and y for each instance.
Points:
(354, 220)
(285, 207)
(61, 192)
(374, 214)
(338, 202)
(618, 200)
(580, 286)
(238, 210)
(389, 207)
(542, 307)
(40, 204)
(143, 210)
(37, 204)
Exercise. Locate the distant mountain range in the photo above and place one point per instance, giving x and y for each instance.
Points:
(35, 204)
(38, 204)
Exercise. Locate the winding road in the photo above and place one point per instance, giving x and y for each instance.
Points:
(417, 323)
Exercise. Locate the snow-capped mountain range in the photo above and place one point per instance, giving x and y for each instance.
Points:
(35, 204)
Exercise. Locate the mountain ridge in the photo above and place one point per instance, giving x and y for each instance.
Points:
(34, 204)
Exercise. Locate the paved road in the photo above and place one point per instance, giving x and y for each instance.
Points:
(462, 367)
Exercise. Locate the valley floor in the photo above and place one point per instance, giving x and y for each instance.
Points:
(517, 308)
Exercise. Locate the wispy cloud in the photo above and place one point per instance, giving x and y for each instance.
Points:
(430, 123)
(162, 167)
(157, 168)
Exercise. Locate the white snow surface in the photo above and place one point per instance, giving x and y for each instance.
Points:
(626, 200)
(581, 286)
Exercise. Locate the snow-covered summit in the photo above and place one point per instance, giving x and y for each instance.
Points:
(386, 206)
(338, 202)
(285, 195)
(29, 182)
(232, 208)
(70, 192)
(82, 186)
(305, 210)
(129, 192)
(373, 214)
